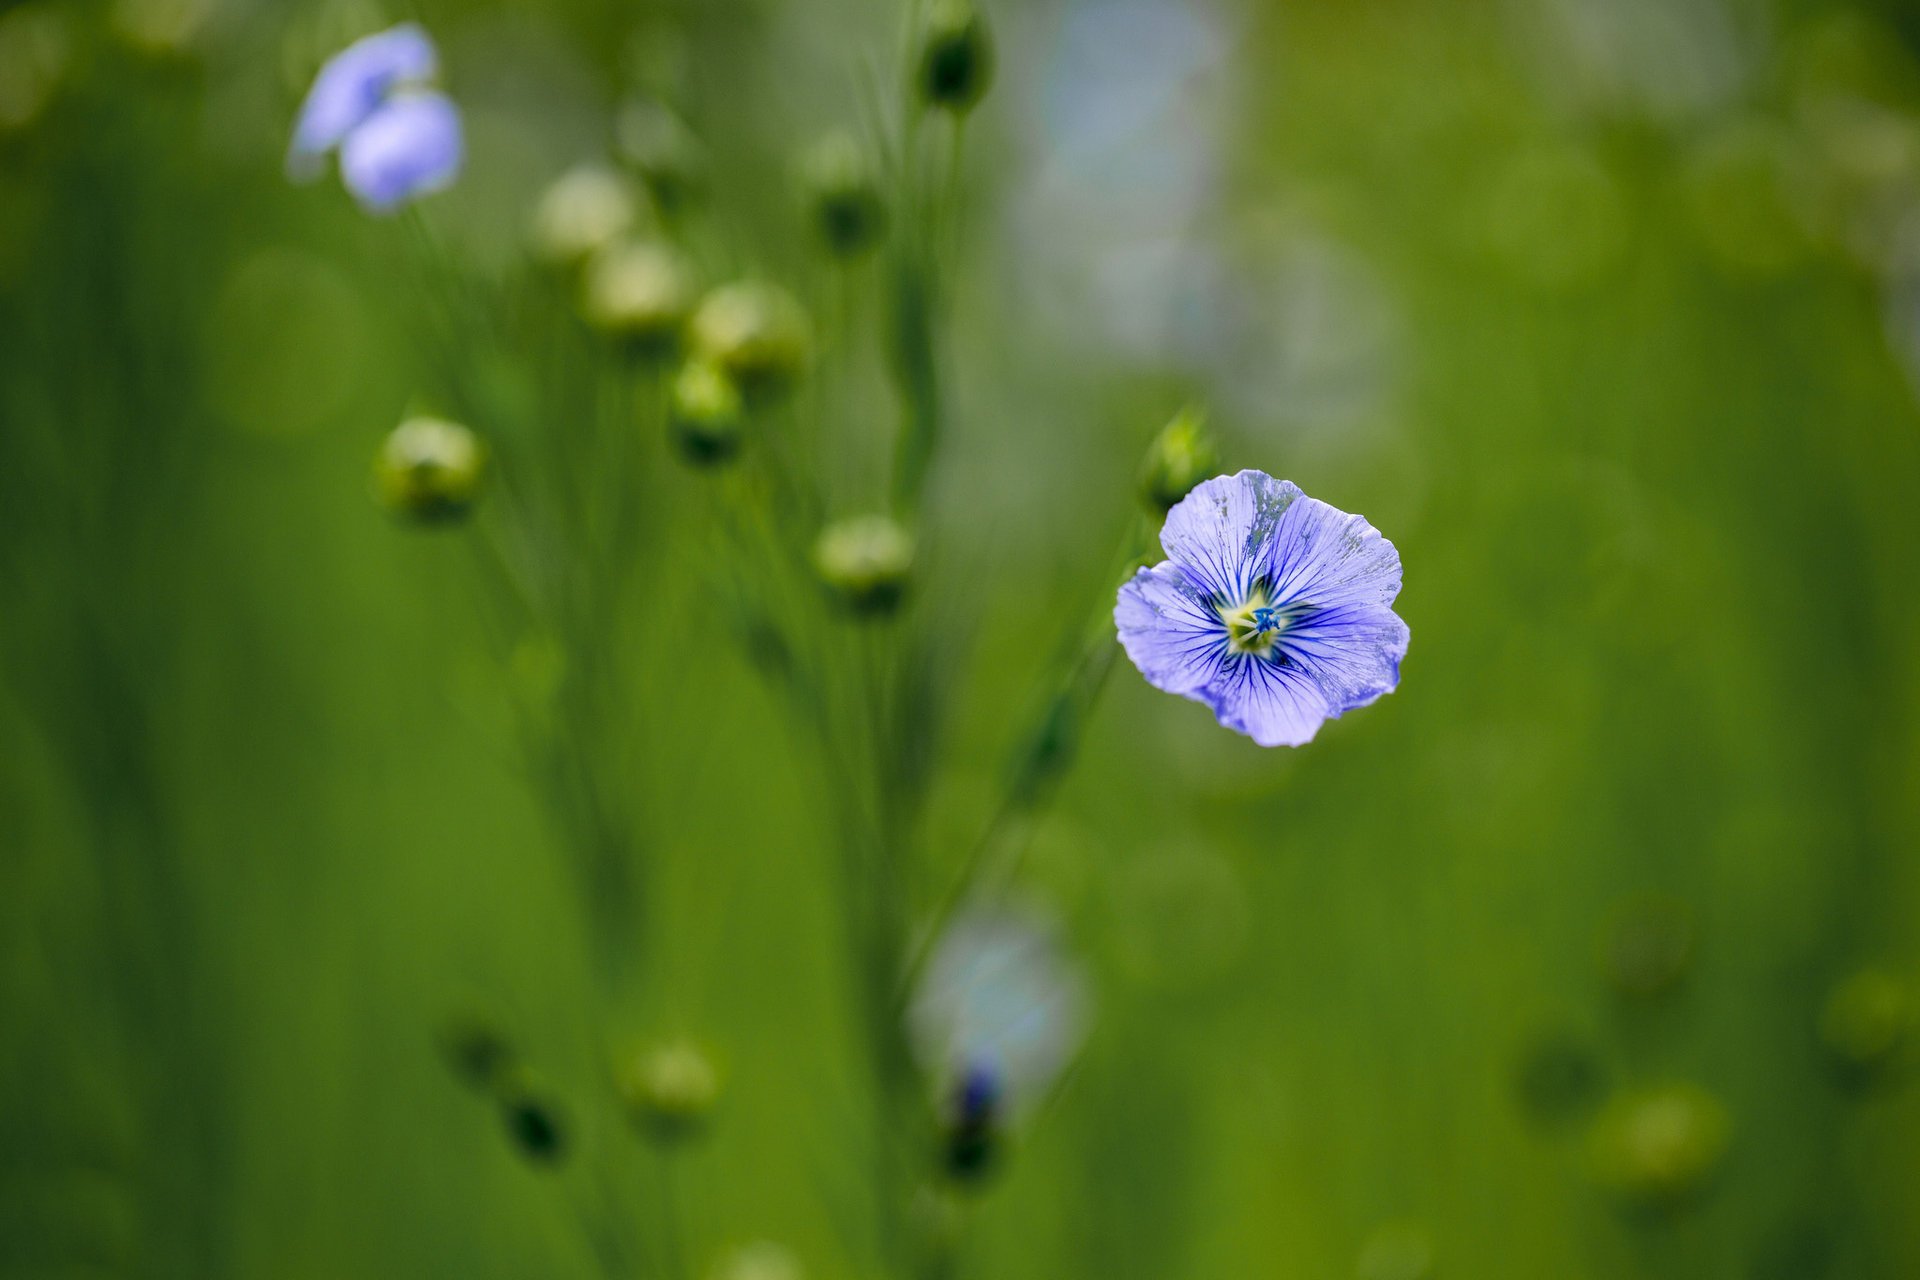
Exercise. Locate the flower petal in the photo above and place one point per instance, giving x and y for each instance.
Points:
(1277, 705)
(410, 147)
(1170, 630)
(1322, 556)
(351, 86)
(1222, 532)
(1351, 652)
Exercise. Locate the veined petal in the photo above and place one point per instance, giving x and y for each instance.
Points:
(1275, 704)
(1320, 555)
(351, 87)
(1222, 532)
(1352, 653)
(1170, 630)
(410, 147)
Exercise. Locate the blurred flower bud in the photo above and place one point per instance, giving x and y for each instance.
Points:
(670, 1090)
(638, 293)
(971, 1136)
(429, 470)
(663, 151)
(705, 415)
(1558, 1079)
(756, 335)
(533, 1121)
(843, 196)
(477, 1051)
(1397, 1251)
(585, 210)
(160, 27)
(1657, 1146)
(1865, 1021)
(35, 50)
(1180, 457)
(865, 561)
(759, 1261)
(1648, 944)
(956, 56)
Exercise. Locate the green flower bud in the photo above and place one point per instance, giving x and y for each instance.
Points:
(843, 196)
(533, 1121)
(664, 152)
(756, 335)
(1181, 456)
(1657, 1146)
(638, 293)
(477, 1051)
(865, 561)
(956, 56)
(1649, 945)
(705, 415)
(585, 210)
(670, 1090)
(1865, 1020)
(429, 470)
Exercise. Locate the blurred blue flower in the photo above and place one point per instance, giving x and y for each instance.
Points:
(412, 146)
(999, 1013)
(396, 139)
(1273, 608)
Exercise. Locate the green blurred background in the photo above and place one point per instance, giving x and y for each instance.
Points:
(1607, 312)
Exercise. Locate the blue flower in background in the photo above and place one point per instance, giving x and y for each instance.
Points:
(1272, 608)
(397, 140)
(999, 1013)
(410, 147)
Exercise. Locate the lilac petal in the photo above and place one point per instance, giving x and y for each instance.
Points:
(410, 147)
(1274, 704)
(351, 87)
(1322, 556)
(1352, 653)
(1222, 531)
(1170, 630)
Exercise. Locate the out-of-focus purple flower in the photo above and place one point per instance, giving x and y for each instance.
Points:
(412, 146)
(397, 139)
(999, 1013)
(1272, 608)
(351, 87)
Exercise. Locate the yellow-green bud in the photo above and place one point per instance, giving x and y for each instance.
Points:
(638, 293)
(762, 1261)
(706, 416)
(1181, 456)
(585, 210)
(843, 196)
(670, 1089)
(865, 561)
(756, 335)
(1866, 1020)
(1658, 1145)
(956, 56)
(429, 470)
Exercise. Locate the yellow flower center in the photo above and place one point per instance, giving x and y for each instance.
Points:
(1256, 625)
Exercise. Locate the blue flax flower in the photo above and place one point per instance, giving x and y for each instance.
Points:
(1000, 1012)
(1272, 608)
(397, 139)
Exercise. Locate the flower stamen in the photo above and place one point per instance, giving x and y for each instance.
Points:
(1255, 627)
